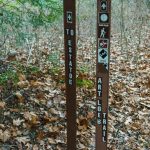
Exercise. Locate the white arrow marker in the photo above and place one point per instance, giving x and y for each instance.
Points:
(104, 6)
(69, 17)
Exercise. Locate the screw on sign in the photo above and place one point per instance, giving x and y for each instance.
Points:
(70, 70)
(102, 71)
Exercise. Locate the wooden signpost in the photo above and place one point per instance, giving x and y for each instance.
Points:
(102, 71)
(70, 70)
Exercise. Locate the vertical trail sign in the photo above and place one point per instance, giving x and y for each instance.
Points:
(102, 71)
(70, 70)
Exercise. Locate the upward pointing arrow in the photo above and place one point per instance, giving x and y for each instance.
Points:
(69, 17)
(104, 6)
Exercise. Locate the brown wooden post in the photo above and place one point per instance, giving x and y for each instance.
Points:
(70, 70)
(102, 71)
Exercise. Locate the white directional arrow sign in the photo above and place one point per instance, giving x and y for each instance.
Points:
(69, 17)
(104, 6)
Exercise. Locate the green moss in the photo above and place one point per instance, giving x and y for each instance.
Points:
(84, 69)
(32, 69)
(54, 70)
(85, 83)
(27, 70)
(54, 58)
(8, 75)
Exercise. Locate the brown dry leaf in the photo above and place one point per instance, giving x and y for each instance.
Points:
(2, 126)
(146, 104)
(54, 111)
(22, 77)
(20, 97)
(35, 120)
(15, 132)
(5, 136)
(111, 117)
(32, 118)
(17, 122)
(83, 124)
(2, 105)
(35, 147)
(28, 146)
(135, 126)
(23, 84)
(146, 131)
(41, 135)
(40, 95)
(59, 147)
(23, 139)
(52, 134)
(90, 115)
(128, 120)
(53, 129)
(13, 110)
(82, 75)
(45, 51)
(36, 84)
(51, 141)
(11, 58)
(48, 119)
(27, 115)
(81, 146)
(63, 87)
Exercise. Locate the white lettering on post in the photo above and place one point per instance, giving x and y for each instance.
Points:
(69, 43)
(99, 87)
(70, 65)
(70, 32)
(104, 128)
(99, 111)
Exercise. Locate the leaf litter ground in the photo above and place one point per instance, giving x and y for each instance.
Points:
(33, 111)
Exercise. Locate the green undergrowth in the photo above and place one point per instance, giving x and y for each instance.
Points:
(57, 74)
(85, 83)
(9, 75)
(12, 73)
(27, 70)
(55, 70)
(32, 70)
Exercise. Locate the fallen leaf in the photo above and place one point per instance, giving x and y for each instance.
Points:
(41, 135)
(2, 105)
(81, 146)
(22, 77)
(83, 124)
(35, 147)
(90, 115)
(5, 136)
(51, 141)
(23, 84)
(20, 97)
(17, 122)
(23, 139)
(128, 120)
(53, 111)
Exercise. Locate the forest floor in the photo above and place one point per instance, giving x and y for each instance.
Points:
(33, 105)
